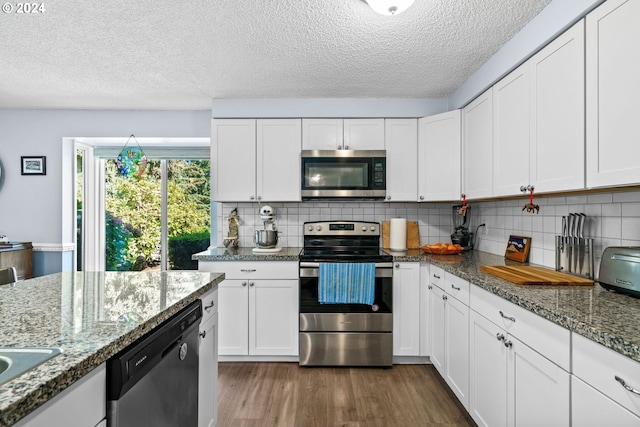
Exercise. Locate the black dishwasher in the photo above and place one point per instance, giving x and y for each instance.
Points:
(154, 381)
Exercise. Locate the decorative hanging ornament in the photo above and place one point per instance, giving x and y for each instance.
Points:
(530, 207)
(132, 162)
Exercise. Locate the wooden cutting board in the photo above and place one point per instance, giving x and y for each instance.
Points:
(413, 234)
(529, 275)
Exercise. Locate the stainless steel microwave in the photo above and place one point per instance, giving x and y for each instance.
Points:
(344, 174)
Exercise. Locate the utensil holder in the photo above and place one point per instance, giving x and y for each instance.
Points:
(574, 255)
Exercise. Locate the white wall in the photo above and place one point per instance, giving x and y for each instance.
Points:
(31, 206)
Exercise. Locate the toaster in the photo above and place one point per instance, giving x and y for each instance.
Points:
(620, 270)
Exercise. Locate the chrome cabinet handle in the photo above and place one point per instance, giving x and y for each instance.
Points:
(251, 283)
(429, 287)
(457, 289)
(251, 198)
(248, 270)
(339, 147)
(244, 283)
(513, 319)
(208, 308)
(388, 197)
(421, 197)
(444, 297)
(346, 147)
(626, 386)
(203, 334)
(259, 198)
(508, 344)
(397, 265)
(500, 337)
(436, 276)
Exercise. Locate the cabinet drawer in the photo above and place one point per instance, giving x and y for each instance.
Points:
(456, 287)
(254, 270)
(209, 304)
(436, 276)
(598, 366)
(545, 337)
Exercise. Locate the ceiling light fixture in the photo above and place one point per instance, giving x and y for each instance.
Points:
(389, 7)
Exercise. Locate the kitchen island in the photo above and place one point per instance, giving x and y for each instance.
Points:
(91, 316)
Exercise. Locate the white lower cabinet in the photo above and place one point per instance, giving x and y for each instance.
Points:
(208, 366)
(82, 404)
(608, 384)
(511, 383)
(406, 309)
(449, 327)
(591, 408)
(258, 308)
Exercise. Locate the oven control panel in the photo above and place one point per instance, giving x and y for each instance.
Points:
(341, 228)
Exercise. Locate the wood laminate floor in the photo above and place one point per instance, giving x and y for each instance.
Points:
(284, 394)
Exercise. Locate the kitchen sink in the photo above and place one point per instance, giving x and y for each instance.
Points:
(15, 361)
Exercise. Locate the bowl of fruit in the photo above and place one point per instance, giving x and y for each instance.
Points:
(442, 249)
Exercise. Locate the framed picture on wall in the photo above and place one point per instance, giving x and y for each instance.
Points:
(33, 165)
(518, 248)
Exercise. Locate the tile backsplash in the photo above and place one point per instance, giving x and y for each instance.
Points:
(613, 219)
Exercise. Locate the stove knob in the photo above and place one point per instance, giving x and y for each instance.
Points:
(373, 228)
(364, 228)
(310, 228)
(319, 228)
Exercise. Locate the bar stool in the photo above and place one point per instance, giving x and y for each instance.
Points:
(8, 275)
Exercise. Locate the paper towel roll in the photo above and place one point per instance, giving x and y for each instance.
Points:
(398, 234)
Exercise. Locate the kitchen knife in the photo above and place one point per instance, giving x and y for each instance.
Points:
(570, 235)
(581, 242)
(563, 244)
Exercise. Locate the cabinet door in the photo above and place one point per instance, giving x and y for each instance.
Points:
(590, 408)
(537, 389)
(273, 317)
(406, 309)
(322, 134)
(439, 157)
(456, 349)
(477, 147)
(208, 373)
(401, 142)
(511, 133)
(487, 372)
(233, 317)
(436, 327)
(233, 160)
(425, 300)
(613, 89)
(363, 134)
(557, 113)
(278, 144)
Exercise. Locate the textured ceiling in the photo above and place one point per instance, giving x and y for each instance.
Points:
(149, 54)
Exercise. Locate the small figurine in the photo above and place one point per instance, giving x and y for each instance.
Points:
(233, 235)
(530, 207)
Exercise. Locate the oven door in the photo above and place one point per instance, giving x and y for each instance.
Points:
(315, 316)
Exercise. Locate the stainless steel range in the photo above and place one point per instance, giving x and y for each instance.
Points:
(346, 288)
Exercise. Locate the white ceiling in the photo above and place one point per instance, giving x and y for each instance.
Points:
(171, 54)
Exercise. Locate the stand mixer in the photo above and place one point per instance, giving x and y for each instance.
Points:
(266, 240)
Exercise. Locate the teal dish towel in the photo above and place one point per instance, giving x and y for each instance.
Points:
(346, 283)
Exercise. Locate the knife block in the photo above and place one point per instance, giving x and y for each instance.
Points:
(574, 255)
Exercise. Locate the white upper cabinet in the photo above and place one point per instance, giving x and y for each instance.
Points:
(363, 134)
(343, 134)
(439, 157)
(322, 134)
(477, 147)
(278, 146)
(557, 113)
(613, 89)
(402, 161)
(233, 159)
(511, 132)
(255, 160)
(538, 116)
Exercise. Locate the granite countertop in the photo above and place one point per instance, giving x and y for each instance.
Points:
(82, 313)
(605, 317)
(247, 254)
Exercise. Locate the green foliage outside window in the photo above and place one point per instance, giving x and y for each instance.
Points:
(136, 204)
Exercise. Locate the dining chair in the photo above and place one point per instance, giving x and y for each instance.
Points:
(8, 275)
